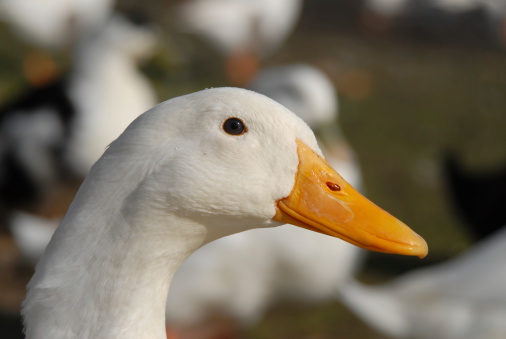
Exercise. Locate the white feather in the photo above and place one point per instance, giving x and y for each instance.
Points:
(463, 298)
(232, 25)
(52, 22)
(173, 181)
(241, 275)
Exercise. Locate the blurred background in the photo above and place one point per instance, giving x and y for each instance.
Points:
(421, 89)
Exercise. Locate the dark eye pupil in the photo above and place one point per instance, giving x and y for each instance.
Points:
(234, 126)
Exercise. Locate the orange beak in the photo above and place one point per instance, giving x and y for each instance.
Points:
(322, 201)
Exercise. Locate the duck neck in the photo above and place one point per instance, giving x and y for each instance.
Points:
(108, 279)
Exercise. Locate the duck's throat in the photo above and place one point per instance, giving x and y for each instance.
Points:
(110, 286)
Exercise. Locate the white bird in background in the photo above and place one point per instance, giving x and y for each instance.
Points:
(191, 170)
(285, 262)
(230, 25)
(31, 233)
(243, 32)
(53, 135)
(302, 88)
(464, 298)
(52, 23)
(107, 86)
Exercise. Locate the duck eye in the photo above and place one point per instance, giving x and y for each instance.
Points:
(234, 126)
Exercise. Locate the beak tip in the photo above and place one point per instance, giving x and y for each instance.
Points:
(421, 249)
(422, 254)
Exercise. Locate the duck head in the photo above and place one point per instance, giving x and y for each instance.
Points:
(233, 159)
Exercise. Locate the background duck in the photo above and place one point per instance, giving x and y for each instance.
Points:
(260, 26)
(461, 298)
(243, 32)
(54, 23)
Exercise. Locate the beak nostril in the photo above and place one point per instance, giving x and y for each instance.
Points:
(333, 187)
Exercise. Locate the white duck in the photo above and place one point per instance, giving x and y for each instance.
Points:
(189, 171)
(107, 86)
(302, 88)
(53, 22)
(463, 298)
(243, 32)
(231, 25)
(292, 263)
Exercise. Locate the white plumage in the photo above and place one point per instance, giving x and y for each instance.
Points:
(172, 159)
(302, 88)
(107, 87)
(230, 26)
(32, 234)
(241, 275)
(463, 298)
(53, 22)
(183, 174)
